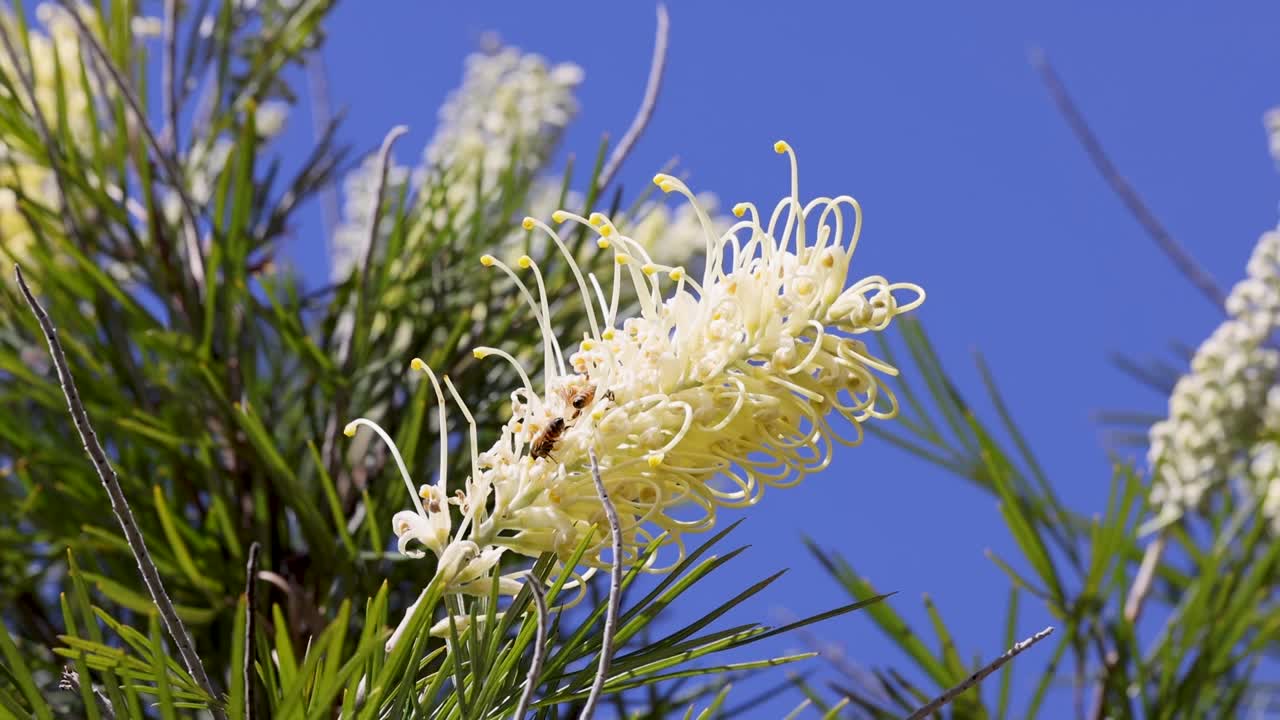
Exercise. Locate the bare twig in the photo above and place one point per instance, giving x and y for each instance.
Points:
(120, 506)
(615, 591)
(195, 258)
(329, 447)
(946, 697)
(384, 162)
(1146, 574)
(1172, 249)
(651, 90)
(1133, 604)
(169, 66)
(321, 117)
(250, 594)
(539, 649)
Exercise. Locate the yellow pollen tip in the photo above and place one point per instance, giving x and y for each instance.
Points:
(607, 230)
(648, 269)
(661, 179)
(676, 273)
(603, 243)
(667, 187)
(740, 209)
(781, 146)
(524, 261)
(559, 216)
(349, 430)
(607, 334)
(622, 258)
(597, 415)
(596, 219)
(828, 260)
(486, 260)
(654, 460)
(417, 364)
(588, 345)
(527, 223)
(480, 354)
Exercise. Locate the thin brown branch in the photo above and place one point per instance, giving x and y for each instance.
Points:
(946, 697)
(1172, 249)
(329, 445)
(250, 595)
(1133, 604)
(539, 647)
(321, 117)
(615, 591)
(169, 66)
(651, 90)
(120, 506)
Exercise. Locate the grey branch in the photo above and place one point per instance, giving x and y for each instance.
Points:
(169, 97)
(946, 697)
(651, 90)
(539, 648)
(1133, 604)
(1172, 249)
(329, 446)
(384, 160)
(120, 506)
(250, 594)
(321, 116)
(615, 591)
(164, 159)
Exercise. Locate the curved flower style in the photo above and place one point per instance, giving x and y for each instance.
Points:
(725, 387)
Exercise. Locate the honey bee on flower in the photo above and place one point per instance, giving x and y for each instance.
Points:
(742, 378)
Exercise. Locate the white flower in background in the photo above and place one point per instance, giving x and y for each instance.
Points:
(269, 118)
(1271, 120)
(22, 169)
(1224, 415)
(510, 108)
(506, 116)
(720, 386)
(359, 208)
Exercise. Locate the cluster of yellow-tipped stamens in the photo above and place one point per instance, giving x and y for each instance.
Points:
(703, 399)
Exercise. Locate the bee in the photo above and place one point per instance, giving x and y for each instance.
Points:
(578, 397)
(581, 394)
(545, 441)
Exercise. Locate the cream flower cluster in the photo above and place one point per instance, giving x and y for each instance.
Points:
(742, 378)
(510, 108)
(25, 170)
(1224, 416)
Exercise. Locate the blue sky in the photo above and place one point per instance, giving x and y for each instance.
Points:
(972, 186)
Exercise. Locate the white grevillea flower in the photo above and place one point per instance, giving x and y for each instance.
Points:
(55, 61)
(510, 107)
(506, 116)
(722, 385)
(1224, 415)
